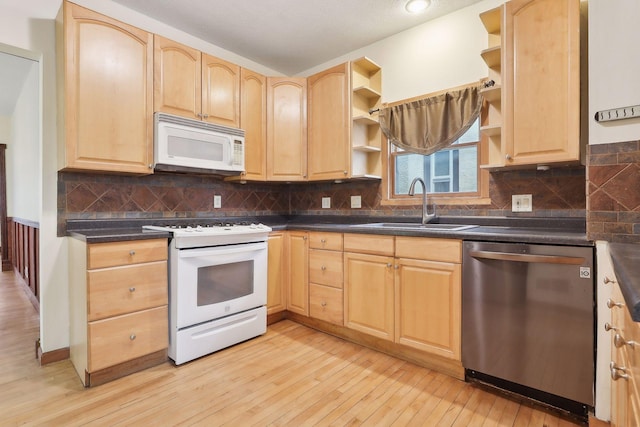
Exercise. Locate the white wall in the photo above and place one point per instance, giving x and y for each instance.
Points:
(23, 152)
(614, 67)
(5, 129)
(436, 55)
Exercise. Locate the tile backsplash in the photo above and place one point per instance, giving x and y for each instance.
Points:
(556, 193)
(613, 192)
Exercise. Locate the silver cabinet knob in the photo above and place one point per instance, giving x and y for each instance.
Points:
(508, 157)
(618, 372)
(611, 303)
(323, 303)
(389, 265)
(132, 289)
(323, 268)
(608, 327)
(132, 252)
(619, 341)
(608, 280)
(132, 337)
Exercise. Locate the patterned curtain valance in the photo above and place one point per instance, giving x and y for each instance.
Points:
(431, 124)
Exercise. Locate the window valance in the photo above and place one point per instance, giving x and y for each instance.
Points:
(428, 125)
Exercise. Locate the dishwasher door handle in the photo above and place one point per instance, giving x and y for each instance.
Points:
(510, 256)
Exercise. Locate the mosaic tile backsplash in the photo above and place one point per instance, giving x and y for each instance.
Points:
(613, 187)
(556, 193)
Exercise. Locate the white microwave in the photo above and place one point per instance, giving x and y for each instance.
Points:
(186, 145)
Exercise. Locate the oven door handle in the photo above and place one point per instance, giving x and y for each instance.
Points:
(510, 256)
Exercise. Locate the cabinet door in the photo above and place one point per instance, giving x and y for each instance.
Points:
(177, 78)
(542, 81)
(329, 124)
(428, 306)
(220, 91)
(286, 129)
(108, 89)
(298, 285)
(253, 119)
(276, 297)
(368, 294)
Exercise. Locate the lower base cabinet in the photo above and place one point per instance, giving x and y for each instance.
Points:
(119, 314)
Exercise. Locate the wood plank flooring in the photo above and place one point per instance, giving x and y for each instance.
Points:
(291, 376)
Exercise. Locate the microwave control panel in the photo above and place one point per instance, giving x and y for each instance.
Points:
(238, 152)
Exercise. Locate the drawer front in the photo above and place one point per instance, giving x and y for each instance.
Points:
(325, 303)
(369, 244)
(325, 267)
(120, 290)
(446, 250)
(111, 254)
(122, 338)
(328, 241)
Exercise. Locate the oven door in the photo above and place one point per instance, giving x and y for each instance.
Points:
(214, 282)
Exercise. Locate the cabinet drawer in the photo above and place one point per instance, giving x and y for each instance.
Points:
(369, 244)
(111, 254)
(328, 241)
(446, 250)
(325, 303)
(118, 339)
(325, 267)
(119, 290)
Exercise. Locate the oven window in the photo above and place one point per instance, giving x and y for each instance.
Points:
(225, 282)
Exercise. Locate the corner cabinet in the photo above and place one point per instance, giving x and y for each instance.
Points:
(286, 129)
(195, 85)
(538, 64)
(118, 300)
(106, 116)
(329, 127)
(253, 119)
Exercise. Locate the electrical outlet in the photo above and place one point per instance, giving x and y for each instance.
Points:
(326, 202)
(356, 202)
(521, 203)
(217, 202)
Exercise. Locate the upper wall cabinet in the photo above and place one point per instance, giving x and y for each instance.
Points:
(253, 119)
(540, 73)
(286, 129)
(329, 126)
(105, 73)
(192, 84)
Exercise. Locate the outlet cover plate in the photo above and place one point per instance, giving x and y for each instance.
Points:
(326, 202)
(217, 202)
(356, 202)
(521, 203)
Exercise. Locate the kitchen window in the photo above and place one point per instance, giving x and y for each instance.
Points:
(452, 175)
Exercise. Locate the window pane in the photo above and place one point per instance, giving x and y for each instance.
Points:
(471, 135)
(441, 187)
(441, 163)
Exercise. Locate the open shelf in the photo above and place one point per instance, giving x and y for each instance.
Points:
(492, 94)
(492, 56)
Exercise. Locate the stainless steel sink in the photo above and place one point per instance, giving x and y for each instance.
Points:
(417, 226)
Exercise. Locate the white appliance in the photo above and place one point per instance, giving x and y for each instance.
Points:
(186, 145)
(217, 287)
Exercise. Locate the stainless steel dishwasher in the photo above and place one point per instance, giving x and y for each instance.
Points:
(528, 321)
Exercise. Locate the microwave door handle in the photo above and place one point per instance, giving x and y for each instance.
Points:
(509, 256)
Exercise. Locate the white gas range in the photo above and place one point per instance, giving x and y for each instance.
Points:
(217, 286)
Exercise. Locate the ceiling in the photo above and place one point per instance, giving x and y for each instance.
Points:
(290, 36)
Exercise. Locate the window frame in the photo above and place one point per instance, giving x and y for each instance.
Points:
(479, 197)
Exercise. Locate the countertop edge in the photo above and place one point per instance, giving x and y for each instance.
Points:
(117, 235)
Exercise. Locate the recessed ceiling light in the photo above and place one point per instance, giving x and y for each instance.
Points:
(417, 6)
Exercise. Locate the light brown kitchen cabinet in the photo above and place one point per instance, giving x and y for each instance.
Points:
(428, 301)
(534, 58)
(286, 129)
(329, 127)
(369, 285)
(326, 277)
(195, 85)
(276, 278)
(118, 301)
(105, 73)
(625, 363)
(298, 272)
(253, 119)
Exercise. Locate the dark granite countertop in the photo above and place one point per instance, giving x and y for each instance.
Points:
(626, 262)
(565, 231)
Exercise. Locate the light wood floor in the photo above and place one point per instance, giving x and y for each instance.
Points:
(292, 376)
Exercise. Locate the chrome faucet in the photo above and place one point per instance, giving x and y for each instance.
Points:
(412, 191)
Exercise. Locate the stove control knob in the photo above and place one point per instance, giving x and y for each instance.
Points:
(188, 228)
(199, 228)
